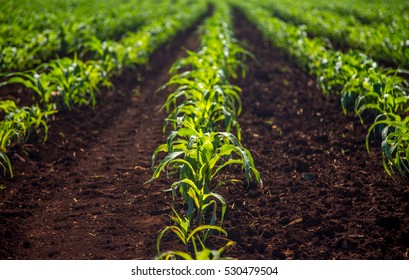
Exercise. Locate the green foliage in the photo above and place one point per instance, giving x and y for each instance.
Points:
(378, 29)
(362, 85)
(17, 126)
(63, 83)
(204, 95)
(203, 112)
(31, 36)
(191, 237)
(395, 139)
(200, 157)
(71, 81)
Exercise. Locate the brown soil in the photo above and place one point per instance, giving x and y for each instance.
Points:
(82, 194)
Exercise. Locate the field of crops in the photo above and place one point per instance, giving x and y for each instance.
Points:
(181, 129)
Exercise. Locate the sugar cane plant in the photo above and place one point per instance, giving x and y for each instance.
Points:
(203, 104)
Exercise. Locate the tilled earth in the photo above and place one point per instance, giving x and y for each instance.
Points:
(82, 194)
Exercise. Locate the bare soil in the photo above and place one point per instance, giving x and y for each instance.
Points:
(82, 195)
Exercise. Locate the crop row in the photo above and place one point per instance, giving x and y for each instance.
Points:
(31, 37)
(202, 114)
(367, 12)
(386, 42)
(363, 86)
(66, 82)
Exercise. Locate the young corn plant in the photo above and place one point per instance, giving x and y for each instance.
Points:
(17, 126)
(197, 148)
(395, 139)
(382, 94)
(200, 157)
(194, 237)
(209, 107)
(63, 82)
(203, 93)
(112, 56)
(76, 82)
(188, 235)
(41, 84)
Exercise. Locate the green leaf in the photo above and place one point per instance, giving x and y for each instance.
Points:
(206, 227)
(168, 159)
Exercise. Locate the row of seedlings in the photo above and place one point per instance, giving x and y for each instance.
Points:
(363, 86)
(48, 29)
(67, 82)
(202, 114)
(387, 42)
(367, 12)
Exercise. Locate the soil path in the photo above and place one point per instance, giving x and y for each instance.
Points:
(324, 197)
